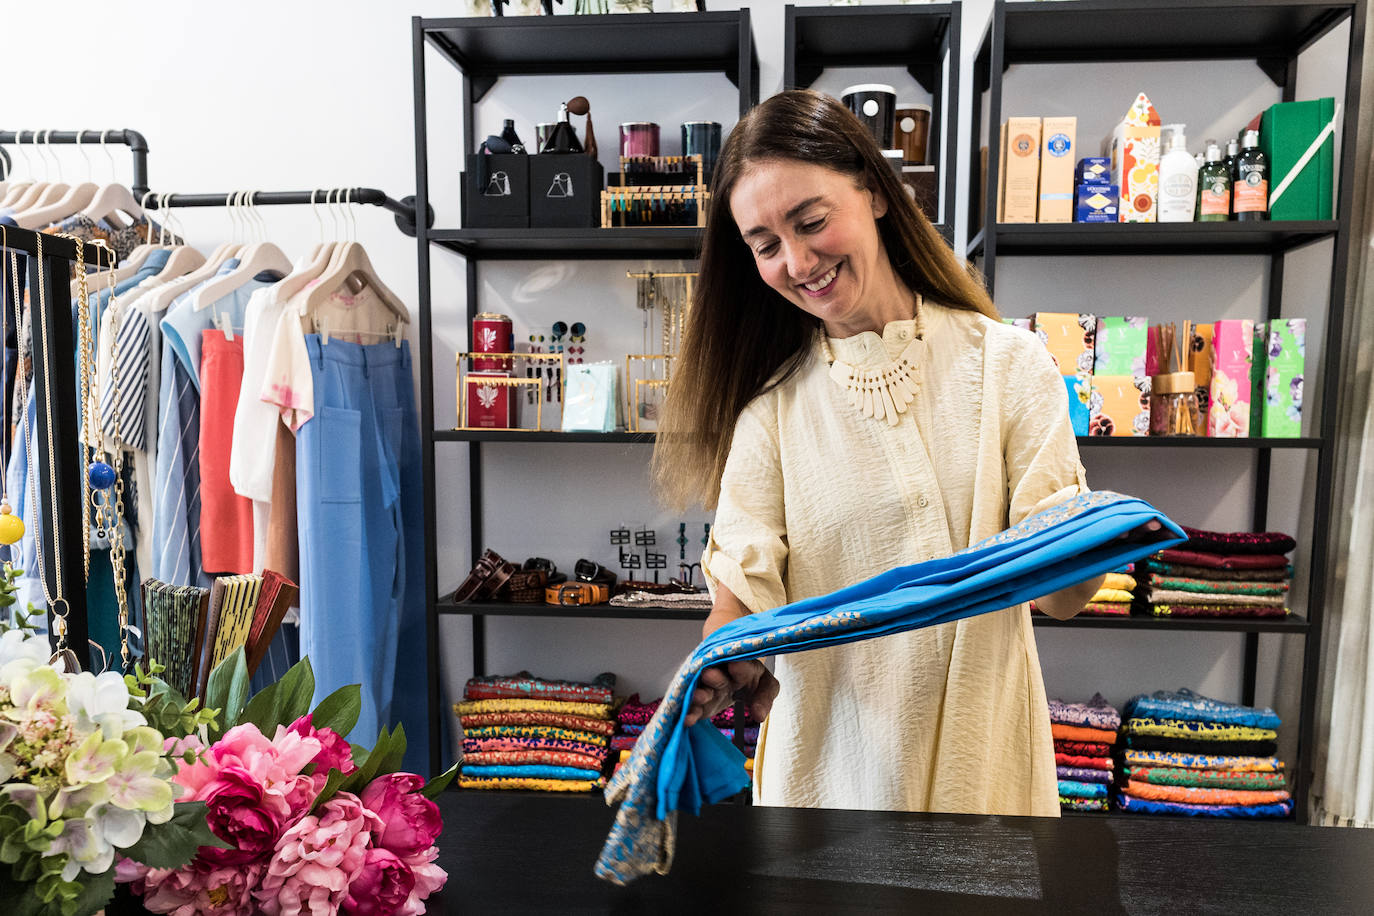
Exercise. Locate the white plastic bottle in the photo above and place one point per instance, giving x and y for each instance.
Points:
(1177, 180)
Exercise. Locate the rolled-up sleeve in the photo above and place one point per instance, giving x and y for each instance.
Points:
(1041, 453)
(747, 549)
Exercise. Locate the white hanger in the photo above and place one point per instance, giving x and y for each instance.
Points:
(253, 260)
(78, 196)
(54, 190)
(350, 264)
(319, 260)
(183, 258)
(28, 194)
(159, 299)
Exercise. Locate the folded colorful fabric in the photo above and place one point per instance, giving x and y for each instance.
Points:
(1179, 596)
(623, 742)
(1224, 575)
(675, 768)
(540, 785)
(523, 758)
(1120, 581)
(530, 771)
(1083, 748)
(626, 729)
(561, 707)
(1112, 596)
(1199, 796)
(1187, 704)
(1069, 788)
(1107, 609)
(1083, 774)
(1218, 610)
(751, 734)
(1079, 733)
(1142, 758)
(1197, 731)
(536, 731)
(1158, 581)
(1202, 779)
(1218, 561)
(635, 712)
(576, 723)
(524, 684)
(1082, 804)
(1194, 746)
(1129, 803)
(1096, 713)
(1088, 763)
(516, 744)
(1244, 542)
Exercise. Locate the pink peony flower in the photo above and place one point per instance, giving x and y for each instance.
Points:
(317, 860)
(428, 879)
(240, 813)
(203, 889)
(381, 888)
(335, 752)
(412, 821)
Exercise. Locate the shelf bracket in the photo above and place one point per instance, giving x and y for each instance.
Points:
(481, 85)
(1276, 68)
(925, 75)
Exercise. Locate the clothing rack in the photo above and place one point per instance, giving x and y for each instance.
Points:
(54, 370)
(404, 209)
(138, 146)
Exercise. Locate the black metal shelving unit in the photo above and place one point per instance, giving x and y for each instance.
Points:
(1272, 33)
(924, 39)
(483, 51)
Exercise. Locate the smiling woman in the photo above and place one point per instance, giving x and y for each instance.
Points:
(848, 402)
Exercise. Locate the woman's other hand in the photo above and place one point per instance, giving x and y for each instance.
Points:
(749, 681)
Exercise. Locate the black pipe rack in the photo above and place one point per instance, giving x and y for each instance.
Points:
(138, 146)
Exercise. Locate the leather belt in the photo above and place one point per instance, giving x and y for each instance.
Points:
(577, 594)
(486, 578)
(526, 586)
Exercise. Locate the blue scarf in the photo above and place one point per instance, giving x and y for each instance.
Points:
(674, 767)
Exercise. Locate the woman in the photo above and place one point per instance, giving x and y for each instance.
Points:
(825, 303)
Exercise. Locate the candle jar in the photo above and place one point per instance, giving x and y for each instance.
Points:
(1173, 405)
(638, 138)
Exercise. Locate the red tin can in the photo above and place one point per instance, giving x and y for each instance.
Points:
(491, 406)
(492, 333)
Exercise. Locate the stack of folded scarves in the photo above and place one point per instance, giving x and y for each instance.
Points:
(1113, 597)
(1184, 753)
(634, 715)
(522, 732)
(1217, 574)
(1084, 734)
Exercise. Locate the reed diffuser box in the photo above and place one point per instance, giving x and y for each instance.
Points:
(1120, 346)
(1200, 364)
(1285, 349)
(1133, 148)
(1020, 186)
(1057, 146)
(1070, 337)
(1119, 405)
(1228, 413)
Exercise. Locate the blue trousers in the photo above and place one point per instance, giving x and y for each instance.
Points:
(359, 510)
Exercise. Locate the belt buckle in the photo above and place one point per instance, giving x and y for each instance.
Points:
(573, 589)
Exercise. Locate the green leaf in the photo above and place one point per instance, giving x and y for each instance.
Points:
(98, 891)
(331, 788)
(227, 689)
(435, 787)
(396, 753)
(283, 702)
(174, 844)
(339, 711)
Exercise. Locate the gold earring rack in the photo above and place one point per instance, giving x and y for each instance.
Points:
(518, 383)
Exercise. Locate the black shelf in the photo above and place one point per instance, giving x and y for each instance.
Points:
(1293, 623)
(869, 36)
(1153, 238)
(536, 436)
(1308, 442)
(603, 611)
(547, 244)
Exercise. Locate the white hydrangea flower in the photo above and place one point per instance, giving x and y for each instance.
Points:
(101, 701)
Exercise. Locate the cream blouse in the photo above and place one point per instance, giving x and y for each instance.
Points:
(816, 497)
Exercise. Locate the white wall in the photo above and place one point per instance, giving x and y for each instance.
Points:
(286, 96)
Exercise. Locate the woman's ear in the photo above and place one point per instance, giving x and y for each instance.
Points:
(878, 202)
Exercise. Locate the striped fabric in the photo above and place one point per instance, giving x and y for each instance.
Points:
(131, 361)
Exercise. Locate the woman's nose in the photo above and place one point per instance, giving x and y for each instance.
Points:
(801, 262)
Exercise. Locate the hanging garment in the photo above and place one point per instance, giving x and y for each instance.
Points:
(226, 518)
(674, 767)
(361, 539)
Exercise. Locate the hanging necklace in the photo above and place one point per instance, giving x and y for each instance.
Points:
(883, 393)
(114, 495)
(11, 525)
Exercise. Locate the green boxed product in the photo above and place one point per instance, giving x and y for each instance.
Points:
(1120, 346)
(1281, 404)
(1260, 342)
(1287, 130)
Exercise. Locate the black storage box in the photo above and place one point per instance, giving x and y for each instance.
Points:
(565, 191)
(496, 191)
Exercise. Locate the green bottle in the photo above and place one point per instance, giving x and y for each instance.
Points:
(1213, 188)
(1232, 154)
(1251, 189)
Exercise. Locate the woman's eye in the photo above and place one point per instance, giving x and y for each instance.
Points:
(764, 251)
(813, 226)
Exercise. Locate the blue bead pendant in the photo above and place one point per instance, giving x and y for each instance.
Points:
(101, 475)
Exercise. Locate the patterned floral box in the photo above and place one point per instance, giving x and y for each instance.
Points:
(1228, 414)
(1284, 358)
(1120, 406)
(1200, 364)
(1070, 338)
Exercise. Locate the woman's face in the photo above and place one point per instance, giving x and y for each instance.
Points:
(813, 234)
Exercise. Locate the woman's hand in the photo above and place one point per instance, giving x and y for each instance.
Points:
(717, 687)
(1068, 602)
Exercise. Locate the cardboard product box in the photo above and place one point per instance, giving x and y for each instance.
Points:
(1228, 412)
(1079, 391)
(1119, 406)
(496, 191)
(1002, 174)
(490, 406)
(1093, 170)
(1200, 364)
(1070, 338)
(565, 191)
(1096, 203)
(1057, 148)
(1284, 361)
(1022, 185)
(982, 188)
(1120, 346)
(1133, 148)
(1287, 131)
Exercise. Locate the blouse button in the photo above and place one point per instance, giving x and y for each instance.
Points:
(902, 335)
(922, 502)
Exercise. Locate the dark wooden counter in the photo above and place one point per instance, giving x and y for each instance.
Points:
(532, 853)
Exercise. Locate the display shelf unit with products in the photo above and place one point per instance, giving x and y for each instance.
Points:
(924, 39)
(483, 51)
(1273, 34)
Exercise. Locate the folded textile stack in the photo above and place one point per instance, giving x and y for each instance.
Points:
(634, 715)
(1084, 734)
(523, 732)
(1114, 596)
(1218, 574)
(1184, 753)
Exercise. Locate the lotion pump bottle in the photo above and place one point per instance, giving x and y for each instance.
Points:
(1177, 180)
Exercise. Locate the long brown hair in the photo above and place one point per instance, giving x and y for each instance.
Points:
(741, 333)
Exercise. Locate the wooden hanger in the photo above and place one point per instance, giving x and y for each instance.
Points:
(253, 259)
(350, 263)
(112, 199)
(71, 203)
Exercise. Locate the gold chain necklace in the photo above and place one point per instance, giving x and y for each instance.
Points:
(114, 508)
(886, 392)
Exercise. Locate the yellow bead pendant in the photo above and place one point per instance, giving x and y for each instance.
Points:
(11, 525)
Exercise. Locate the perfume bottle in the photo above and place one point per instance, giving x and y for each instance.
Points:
(510, 136)
(562, 139)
